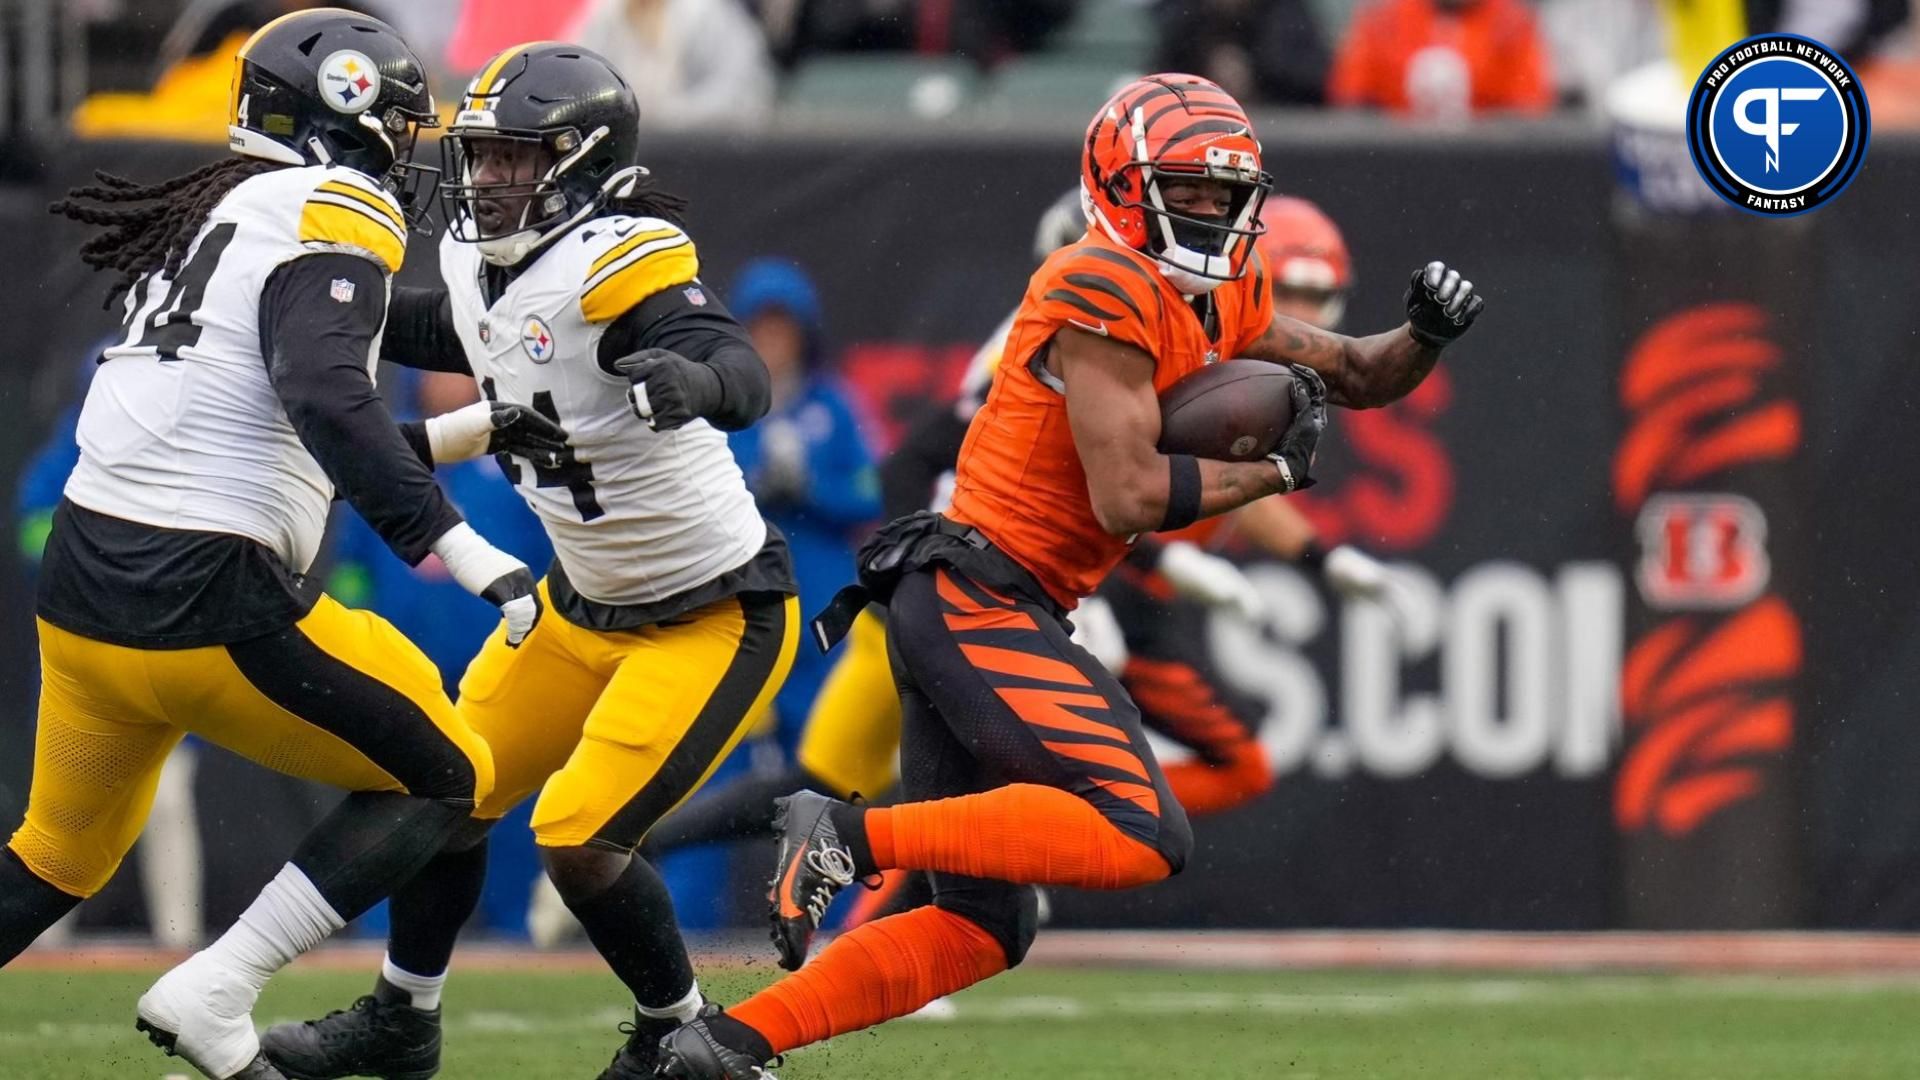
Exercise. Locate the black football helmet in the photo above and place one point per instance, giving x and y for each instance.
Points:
(327, 86)
(567, 108)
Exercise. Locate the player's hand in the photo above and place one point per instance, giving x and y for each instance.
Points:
(1294, 456)
(1357, 575)
(1440, 305)
(1210, 579)
(491, 427)
(493, 576)
(668, 390)
(1097, 630)
(525, 433)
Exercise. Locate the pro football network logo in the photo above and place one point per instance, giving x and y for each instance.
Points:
(537, 340)
(1778, 125)
(349, 82)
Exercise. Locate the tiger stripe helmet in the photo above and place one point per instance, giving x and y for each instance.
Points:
(1175, 125)
(1306, 255)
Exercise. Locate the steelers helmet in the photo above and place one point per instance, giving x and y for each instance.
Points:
(564, 109)
(327, 86)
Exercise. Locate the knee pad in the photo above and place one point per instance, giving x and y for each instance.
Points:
(1011, 913)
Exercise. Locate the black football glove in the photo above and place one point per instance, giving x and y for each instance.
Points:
(525, 433)
(669, 390)
(518, 598)
(1294, 456)
(1441, 305)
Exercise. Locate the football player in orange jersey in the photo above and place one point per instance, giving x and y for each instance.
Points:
(1024, 756)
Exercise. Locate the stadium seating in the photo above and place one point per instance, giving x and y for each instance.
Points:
(868, 85)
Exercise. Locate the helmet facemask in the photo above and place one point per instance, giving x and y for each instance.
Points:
(547, 190)
(1195, 253)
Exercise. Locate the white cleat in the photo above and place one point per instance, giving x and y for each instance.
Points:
(203, 1011)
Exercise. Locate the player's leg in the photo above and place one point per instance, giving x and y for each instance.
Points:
(1084, 802)
(680, 699)
(894, 966)
(848, 748)
(528, 704)
(97, 756)
(343, 698)
(1171, 677)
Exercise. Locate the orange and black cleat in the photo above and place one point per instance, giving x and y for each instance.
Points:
(815, 864)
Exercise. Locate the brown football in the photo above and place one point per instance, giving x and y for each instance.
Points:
(1231, 411)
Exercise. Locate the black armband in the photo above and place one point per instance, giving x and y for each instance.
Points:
(1183, 492)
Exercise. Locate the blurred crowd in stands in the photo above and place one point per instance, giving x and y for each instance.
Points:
(740, 63)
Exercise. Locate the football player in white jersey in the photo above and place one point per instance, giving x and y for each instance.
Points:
(175, 595)
(672, 617)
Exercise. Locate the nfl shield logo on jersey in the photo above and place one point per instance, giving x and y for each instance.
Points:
(486, 331)
(537, 340)
(695, 297)
(342, 290)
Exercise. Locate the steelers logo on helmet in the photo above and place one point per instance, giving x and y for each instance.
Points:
(536, 339)
(349, 82)
(1778, 124)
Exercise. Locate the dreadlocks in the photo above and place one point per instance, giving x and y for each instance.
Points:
(648, 200)
(150, 226)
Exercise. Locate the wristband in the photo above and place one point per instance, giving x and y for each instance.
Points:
(1183, 492)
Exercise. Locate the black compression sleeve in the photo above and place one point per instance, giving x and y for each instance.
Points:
(703, 332)
(929, 451)
(316, 347)
(420, 332)
(415, 432)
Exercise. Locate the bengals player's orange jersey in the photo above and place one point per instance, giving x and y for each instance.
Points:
(1019, 479)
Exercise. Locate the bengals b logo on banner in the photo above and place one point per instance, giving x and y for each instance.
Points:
(1707, 683)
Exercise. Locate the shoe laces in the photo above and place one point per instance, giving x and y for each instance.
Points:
(835, 866)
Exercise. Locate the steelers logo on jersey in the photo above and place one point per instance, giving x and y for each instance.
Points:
(537, 340)
(349, 82)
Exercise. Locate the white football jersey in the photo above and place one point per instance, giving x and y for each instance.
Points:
(181, 428)
(636, 516)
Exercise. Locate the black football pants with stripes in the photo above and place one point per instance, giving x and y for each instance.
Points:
(994, 692)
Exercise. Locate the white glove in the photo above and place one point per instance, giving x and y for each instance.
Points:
(1210, 579)
(1357, 575)
(1096, 630)
(493, 576)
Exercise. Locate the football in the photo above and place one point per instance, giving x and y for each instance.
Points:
(1231, 411)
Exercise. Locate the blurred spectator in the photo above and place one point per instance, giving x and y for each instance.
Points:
(691, 62)
(486, 27)
(1259, 50)
(1594, 42)
(1443, 59)
(982, 30)
(807, 462)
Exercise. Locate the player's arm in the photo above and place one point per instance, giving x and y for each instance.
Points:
(688, 361)
(420, 332)
(1364, 373)
(317, 337)
(1115, 417)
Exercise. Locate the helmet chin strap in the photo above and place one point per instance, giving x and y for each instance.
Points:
(511, 249)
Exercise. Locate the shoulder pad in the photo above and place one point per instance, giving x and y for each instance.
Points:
(346, 211)
(1102, 291)
(635, 258)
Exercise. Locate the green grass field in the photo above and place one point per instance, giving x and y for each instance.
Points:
(1059, 1023)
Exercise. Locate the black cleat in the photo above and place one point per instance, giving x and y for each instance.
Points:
(257, 1069)
(638, 1059)
(375, 1038)
(814, 865)
(693, 1052)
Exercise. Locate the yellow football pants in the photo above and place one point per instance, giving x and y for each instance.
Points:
(615, 728)
(341, 697)
(852, 737)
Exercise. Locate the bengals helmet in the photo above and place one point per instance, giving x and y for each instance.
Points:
(567, 105)
(327, 86)
(1175, 126)
(1307, 258)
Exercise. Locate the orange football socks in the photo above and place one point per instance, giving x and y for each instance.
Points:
(887, 968)
(1028, 834)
